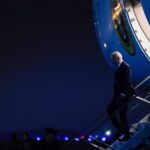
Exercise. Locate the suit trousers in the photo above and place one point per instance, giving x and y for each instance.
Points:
(117, 111)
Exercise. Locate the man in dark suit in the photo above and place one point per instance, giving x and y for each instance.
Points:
(123, 91)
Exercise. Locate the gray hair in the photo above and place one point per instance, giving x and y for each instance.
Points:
(116, 54)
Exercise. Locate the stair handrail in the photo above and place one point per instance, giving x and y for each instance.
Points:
(142, 82)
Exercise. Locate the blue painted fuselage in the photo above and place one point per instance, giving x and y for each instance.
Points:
(109, 41)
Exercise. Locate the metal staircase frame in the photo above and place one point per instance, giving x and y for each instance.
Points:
(139, 85)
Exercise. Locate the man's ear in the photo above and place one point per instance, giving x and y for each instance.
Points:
(118, 58)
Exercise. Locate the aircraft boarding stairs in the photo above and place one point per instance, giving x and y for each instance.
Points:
(141, 129)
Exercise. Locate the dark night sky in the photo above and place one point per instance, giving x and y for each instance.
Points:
(52, 71)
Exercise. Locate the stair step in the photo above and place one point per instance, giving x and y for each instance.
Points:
(142, 132)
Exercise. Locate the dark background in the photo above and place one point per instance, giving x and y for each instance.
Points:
(52, 73)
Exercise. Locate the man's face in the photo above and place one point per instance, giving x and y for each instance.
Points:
(115, 60)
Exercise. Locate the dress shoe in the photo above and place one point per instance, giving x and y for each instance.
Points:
(126, 137)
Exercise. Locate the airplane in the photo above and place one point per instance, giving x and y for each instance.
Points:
(122, 25)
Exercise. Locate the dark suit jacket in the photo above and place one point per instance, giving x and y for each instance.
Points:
(123, 80)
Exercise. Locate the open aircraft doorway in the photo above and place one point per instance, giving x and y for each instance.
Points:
(140, 25)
